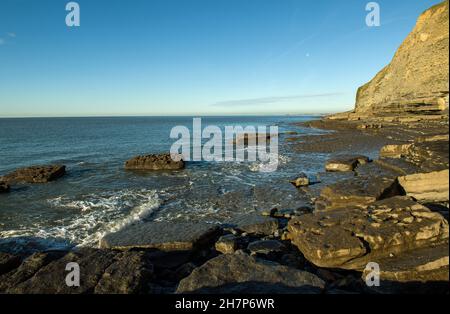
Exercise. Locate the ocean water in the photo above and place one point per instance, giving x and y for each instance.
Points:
(98, 196)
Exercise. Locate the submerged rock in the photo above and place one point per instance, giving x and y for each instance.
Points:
(165, 236)
(35, 174)
(345, 163)
(427, 187)
(155, 162)
(351, 237)
(240, 273)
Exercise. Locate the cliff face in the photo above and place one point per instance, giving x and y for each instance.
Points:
(417, 79)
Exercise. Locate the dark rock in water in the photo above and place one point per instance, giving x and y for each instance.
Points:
(240, 273)
(351, 237)
(345, 163)
(359, 191)
(227, 244)
(155, 162)
(35, 174)
(4, 187)
(128, 275)
(165, 236)
(425, 265)
(256, 224)
(301, 180)
(8, 262)
(266, 247)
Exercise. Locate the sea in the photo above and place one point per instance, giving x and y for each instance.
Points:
(98, 196)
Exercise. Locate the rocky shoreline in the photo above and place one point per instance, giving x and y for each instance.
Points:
(372, 214)
(382, 199)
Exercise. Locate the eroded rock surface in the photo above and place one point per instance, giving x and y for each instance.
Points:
(35, 174)
(155, 162)
(427, 187)
(351, 237)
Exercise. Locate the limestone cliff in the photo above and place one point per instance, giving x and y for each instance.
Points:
(417, 79)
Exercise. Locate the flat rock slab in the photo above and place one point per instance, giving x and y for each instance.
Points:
(155, 162)
(35, 174)
(358, 191)
(165, 236)
(345, 163)
(351, 237)
(427, 187)
(240, 273)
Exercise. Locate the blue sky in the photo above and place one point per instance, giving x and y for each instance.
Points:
(193, 57)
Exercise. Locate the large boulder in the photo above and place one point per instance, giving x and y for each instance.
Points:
(351, 237)
(427, 187)
(164, 236)
(35, 174)
(240, 273)
(416, 81)
(155, 162)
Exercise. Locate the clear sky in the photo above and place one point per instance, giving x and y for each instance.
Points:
(193, 57)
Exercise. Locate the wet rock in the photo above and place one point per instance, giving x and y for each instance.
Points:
(227, 244)
(8, 262)
(351, 237)
(155, 162)
(345, 163)
(266, 247)
(239, 273)
(173, 236)
(301, 180)
(4, 187)
(256, 224)
(427, 187)
(35, 174)
(129, 274)
(359, 191)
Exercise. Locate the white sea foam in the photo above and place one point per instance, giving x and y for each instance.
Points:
(98, 215)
